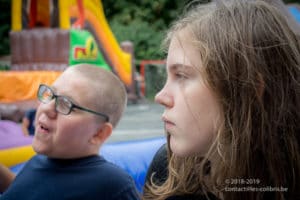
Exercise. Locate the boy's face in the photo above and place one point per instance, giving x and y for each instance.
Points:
(66, 136)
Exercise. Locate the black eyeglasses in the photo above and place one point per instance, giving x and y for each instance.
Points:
(62, 104)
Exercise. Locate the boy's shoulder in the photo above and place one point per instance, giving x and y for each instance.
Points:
(112, 171)
(113, 180)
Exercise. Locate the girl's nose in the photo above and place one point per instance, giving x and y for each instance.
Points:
(164, 98)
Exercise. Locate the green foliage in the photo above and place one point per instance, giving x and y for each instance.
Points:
(4, 67)
(291, 1)
(143, 22)
(5, 14)
(146, 40)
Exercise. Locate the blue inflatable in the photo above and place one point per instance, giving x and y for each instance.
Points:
(295, 13)
(133, 156)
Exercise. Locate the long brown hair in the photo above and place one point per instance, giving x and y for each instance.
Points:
(251, 60)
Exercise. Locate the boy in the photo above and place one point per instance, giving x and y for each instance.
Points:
(76, 116)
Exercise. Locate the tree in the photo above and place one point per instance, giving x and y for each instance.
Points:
(5, 21)
(143, 22)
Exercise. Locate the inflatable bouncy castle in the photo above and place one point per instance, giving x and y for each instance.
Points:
(42, 37)
(48, 36)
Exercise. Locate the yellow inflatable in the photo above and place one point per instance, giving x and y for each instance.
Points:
(15, 148)
(14, 156)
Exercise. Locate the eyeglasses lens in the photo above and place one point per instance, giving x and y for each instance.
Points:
(45, 94)
(63, 105)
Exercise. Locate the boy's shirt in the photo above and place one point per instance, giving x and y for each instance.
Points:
(85, 178)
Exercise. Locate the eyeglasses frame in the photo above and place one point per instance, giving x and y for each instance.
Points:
(73, 105)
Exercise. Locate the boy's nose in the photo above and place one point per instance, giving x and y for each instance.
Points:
(48, 108)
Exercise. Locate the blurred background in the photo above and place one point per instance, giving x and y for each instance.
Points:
(40, 38)
(143, 22)
(137, 26)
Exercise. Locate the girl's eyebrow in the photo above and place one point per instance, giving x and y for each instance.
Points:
(178, 66)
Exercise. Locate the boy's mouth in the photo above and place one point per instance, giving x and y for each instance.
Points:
(43, 128)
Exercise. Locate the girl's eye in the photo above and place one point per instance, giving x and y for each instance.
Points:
(180, 76)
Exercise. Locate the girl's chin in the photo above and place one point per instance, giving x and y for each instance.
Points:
(176, 148)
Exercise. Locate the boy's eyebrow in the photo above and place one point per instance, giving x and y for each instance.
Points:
(69, 97)
(52, 88)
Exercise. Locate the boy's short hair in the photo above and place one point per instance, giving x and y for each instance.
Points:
(109, 92)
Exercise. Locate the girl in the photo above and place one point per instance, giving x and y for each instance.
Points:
(232, 104)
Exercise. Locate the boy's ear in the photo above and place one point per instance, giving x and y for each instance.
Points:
(102, 134)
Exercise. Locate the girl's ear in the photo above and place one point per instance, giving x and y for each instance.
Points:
(102, 134)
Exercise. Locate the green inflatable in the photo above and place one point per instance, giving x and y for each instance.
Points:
(83, 49)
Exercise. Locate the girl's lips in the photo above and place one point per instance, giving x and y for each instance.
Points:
(168, 123)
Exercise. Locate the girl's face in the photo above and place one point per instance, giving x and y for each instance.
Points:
(191, 109)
